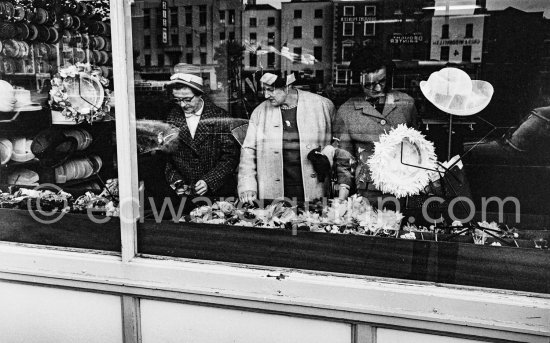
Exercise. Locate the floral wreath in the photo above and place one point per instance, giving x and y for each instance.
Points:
(402, 175)
(59, 96)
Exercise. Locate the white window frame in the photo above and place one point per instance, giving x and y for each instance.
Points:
(344, 29)
(352, 11)
(360, 301)
(367, 7)
(344, 46)
(367, 24)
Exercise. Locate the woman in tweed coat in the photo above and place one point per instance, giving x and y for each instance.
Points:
(208, 155)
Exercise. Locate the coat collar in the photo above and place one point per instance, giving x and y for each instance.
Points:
(203, 128)
(368, 109)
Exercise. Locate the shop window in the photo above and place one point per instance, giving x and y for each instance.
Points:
(252, 22)
(297, 14)
(469, 31)
(174, 16)
(318, 53)
(188, 15)
(444, 53)
(369, 29)
(252, 57)
(370, 11)
(146, 18)
(349, 11)
(202, 15)
(297, 32)
(348, 29)
(271, 38)
(222, 17)
(318, 13)
(270, 21)
(445, 31)
(318, 31)
(271, 60)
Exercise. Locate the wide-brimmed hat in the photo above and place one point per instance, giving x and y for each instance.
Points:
(190, 80)
(452, 91)
(277, 80)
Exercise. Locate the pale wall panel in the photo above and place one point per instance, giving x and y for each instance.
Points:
(395, 336)
(163, 322)
(51, 315)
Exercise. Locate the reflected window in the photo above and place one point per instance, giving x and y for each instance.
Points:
(349, 11)
(297, 14)
(318, 53)
(222, 17)
(348, 29)
(270, 21)
(173, 16)
(252, 22)
(202, 15)
(271, 60)
(444, 53)
(271, 38)
(318, 13)
(469, 31)
(445, 31)
(467, 53)
(253, 59)
(188, 15)
(297, 32)
(369, 29)
(253, 37)
(370, 11)
(189, 39)
(146, 18)
(318, 31)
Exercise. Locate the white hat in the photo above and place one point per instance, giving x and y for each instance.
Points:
(23, 101)
(7, 100)
(22, 150)
(452, 91)
(23, 177)
(189, 80)
(6, 149)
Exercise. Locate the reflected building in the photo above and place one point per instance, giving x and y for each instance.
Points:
(306, 36)
(183, 33)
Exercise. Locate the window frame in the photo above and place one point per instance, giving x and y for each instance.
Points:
(317, 11)
(347, 14)
(344, 24)
(294, 32)
(367, 7)
(367, 24)
(359, 301)
(316, 34)
(297, 14)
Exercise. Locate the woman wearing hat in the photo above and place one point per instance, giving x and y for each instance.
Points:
(362, 119)
(208, 154)
(282, 131)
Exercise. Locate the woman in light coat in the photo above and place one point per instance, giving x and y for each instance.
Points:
(282, 130)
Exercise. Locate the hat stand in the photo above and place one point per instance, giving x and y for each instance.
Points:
(445, 175)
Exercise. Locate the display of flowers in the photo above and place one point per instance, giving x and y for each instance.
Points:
(67, 95)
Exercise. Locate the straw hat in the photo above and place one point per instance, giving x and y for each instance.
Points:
(452, 91)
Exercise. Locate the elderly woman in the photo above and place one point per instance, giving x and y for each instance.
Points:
(283, 129)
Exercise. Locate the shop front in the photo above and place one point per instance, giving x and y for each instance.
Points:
(122, 220)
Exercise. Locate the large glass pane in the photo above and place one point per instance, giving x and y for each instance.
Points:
(58, 173)
(398, 138)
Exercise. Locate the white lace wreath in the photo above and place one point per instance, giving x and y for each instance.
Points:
(402, 175)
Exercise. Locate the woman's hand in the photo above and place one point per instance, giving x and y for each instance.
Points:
(201, 187)
(343, 192)
(248, 197)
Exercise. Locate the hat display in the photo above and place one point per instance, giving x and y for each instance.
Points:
(452, 91)
(190, 80)
(7, 100)
(402, 161)
(23, 101)
(52, 147)
(23, 177)
(21, 150)
(6, 150)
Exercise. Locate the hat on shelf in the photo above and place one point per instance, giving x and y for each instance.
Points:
(52, 147)
(7, 100)
(23, 101)
(6, 150)
(452, 91)
(23, 177)
(21, 150)
(190, 80)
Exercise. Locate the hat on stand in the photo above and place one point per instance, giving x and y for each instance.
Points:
(21, 150)
(452, 91)
(7, 100)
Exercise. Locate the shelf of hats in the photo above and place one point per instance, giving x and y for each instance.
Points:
(55, 110)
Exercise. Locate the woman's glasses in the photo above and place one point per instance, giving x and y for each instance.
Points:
(372, 85)
(185, 100)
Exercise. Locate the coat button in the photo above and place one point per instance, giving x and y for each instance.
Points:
(383, 122)
(277, 180)
(275, 152)
(309, 146)
(313, 175)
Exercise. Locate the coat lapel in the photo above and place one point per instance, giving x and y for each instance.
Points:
(204, 129)
(390, 104)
